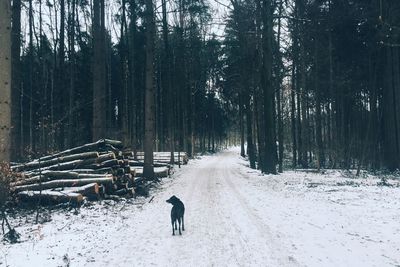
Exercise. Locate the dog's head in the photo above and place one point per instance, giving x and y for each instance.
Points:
(173, 200)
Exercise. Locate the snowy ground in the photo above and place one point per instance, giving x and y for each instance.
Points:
(234, 217)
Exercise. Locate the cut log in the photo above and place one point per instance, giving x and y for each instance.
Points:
(164, 160)
(45, 163)
(164, 153)
(160, 172)
(90, 190)
(50, 197)
(57, 175)
(93, 171)
(135, 163)
(78, 173)
(163, 156)
(79, 163)
(99, 145)
(109, 163)
(107, 180)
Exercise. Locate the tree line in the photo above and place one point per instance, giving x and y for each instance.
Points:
(316, 82)
(81, 71)
(302, 84)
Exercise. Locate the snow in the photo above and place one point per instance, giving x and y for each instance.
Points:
(234, 217)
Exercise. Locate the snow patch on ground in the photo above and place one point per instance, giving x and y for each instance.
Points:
(234, 217)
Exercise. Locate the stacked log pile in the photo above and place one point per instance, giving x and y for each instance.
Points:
(92, 171)
(165, 157)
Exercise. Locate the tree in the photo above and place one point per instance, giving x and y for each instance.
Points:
(99, 73)
(17, 140)
(267, 85)
(5, 79)
(148, 169)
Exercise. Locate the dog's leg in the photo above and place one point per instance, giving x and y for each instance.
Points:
(183, 223)
(173, 230)
(176, 225)
(179, 220)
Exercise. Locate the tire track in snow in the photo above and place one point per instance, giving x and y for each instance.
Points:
(272, 243)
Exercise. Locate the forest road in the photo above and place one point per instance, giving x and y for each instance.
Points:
(235, 216)
(223, 225)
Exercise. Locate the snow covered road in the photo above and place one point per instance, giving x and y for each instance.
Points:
(234, 217)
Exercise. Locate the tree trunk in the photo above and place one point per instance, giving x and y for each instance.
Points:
(132, 32)
(279, 96)
(293, 113)
(241, 122)
(168, 81)
(389, 114)
(270, 144)
(99, 89)
(16, 144)
(124, 95)
(318, 124)
(250, 144)
(5, 79)
(148, 171)
(30, 85)
(61, 94)
(71, 39)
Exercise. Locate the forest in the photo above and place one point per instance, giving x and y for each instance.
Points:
(199, 133)
(295, 83)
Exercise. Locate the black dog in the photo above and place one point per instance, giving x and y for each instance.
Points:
(177, 212)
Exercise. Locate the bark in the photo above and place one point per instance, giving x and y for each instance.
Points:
(250, 144)
(293, 114)
(124, 100)
(99, 83)
(5, 79)
(241, 122)
(40, 164)
(150, 93)
(64, 183)
(318, 124)
(279, 97)
(71, 40)
(16, 141)
(101, 145)
(106, 160)
(131, 64)
(50, 197)
(30, 75)
(60, 79)
(159, 172)
(47, 176)
(91, 191)
(270, 144)
(168, 82)
(135, 163)
(391, 152)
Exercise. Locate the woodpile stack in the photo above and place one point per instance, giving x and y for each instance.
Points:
(92, 171)
(164, 157)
